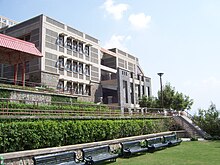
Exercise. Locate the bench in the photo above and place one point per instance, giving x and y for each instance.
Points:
(156, 143)
(98, 154)
(132, 147)
(172, 140)
(67, 158)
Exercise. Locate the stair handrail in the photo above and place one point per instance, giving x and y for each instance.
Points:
(196, 127)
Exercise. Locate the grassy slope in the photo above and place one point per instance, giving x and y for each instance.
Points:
(188, 153)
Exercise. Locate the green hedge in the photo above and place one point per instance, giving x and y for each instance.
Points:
(17, 136)
(61, 106)
(4, 93)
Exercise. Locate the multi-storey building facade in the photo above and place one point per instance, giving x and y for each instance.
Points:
(6, 22)
(73, 63)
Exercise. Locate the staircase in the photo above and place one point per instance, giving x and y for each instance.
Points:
(187, 124)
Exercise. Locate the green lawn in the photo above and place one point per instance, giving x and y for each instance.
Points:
(187, 153)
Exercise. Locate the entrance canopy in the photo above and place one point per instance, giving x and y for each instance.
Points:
(14, 51)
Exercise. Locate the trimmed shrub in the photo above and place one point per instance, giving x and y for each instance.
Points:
(20, 135)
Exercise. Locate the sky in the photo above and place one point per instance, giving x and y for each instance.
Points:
(179, 38)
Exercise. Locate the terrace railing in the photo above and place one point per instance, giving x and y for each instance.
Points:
(13, 108)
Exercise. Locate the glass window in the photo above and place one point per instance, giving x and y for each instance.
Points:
(74, 45)
(80, 47)
(4, 20)
(75, 88)
(88, 90)
(75, 68)
(61, 62)
(60, 85)
(61, 40)
(10, 23)
(87, 70)
(69, 86)
(86, 50)
(69, 43)
(68, 65)
(80, 88)
(80, 68)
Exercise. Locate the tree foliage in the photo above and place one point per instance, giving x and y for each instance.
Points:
(209, 120)
(172, 99)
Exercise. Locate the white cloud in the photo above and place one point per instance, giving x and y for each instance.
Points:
(116, 10)
(117, 41)
(139, 21)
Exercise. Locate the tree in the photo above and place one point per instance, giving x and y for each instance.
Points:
(171, 100)
(151, 102)
(209, 120)
(168, 96)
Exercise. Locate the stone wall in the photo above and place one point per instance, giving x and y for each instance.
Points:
(31, 97)
(50, 80)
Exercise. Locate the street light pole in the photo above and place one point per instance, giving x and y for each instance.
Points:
(161, 88)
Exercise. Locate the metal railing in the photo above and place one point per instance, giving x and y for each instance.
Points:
(42, 109)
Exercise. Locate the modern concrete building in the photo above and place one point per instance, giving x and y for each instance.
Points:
(6, 22)
(74, 63)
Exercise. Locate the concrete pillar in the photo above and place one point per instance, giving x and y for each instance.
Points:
(15, 73)
(23, 73)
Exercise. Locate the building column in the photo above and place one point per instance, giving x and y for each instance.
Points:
(23, 73)
(15, 73)
(64, 85)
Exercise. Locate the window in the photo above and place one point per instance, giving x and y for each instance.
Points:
(86, 50)
(69, 86)
(88, 90)
(4, 20)
(60, 63)
(80, 47)
(68, 65)
(11, 23)
(75, 88)
(142, 78)
(69, 43)
(131, 74)
(74, 45)
(143, 90)
(75, 67)
(80, 88)
(125, 88)
(61, 40)
(60, 85)
(80, 68)
(87, 70)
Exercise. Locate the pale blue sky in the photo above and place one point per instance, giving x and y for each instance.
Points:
(178, 37)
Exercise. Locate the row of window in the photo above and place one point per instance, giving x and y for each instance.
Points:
(73, 66)
(73, 44)
(139, 77)
(7, 22)
(74, 88)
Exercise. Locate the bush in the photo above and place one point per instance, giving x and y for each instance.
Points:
(5, 93)
(17, 136)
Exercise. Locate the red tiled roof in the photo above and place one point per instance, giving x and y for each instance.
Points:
(19, 45)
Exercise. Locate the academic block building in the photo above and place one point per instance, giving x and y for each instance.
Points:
(74, 64)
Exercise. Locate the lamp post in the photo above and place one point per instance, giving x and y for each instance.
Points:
(161, 89)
